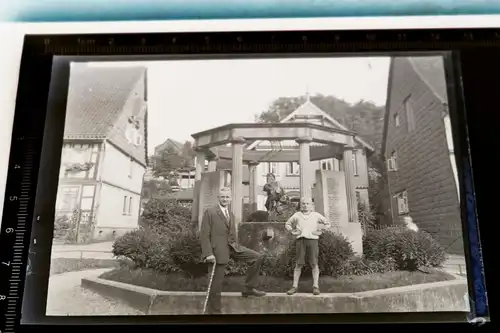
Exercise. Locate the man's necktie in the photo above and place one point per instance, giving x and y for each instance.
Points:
(226, 214)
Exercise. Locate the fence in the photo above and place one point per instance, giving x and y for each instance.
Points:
(82, 254)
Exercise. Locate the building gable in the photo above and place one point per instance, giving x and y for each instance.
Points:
(429, 70)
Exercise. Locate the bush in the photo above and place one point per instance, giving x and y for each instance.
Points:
(167, 216)
(185, 252)
(408, 249)
(334, 254)
(150, 246)
(363, 266)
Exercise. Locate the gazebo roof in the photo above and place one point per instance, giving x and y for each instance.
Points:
(214, 141)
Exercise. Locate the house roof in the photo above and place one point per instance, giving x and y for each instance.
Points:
(96, 98)
(172, 143)
(308, 109)
(430, 70)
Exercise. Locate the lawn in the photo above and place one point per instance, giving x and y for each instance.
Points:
(345, 284)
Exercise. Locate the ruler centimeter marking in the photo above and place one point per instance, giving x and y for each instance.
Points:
(267, 42)
(15, 236)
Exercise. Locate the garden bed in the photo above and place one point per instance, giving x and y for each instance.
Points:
(343, 284)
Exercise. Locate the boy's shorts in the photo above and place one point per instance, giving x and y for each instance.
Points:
(306, 248)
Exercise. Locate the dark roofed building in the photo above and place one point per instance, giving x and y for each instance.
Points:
(418, 150)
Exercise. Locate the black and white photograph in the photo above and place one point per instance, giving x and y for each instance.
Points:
(258, 186)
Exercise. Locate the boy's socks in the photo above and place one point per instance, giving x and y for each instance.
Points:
(296, 276)
(315, 274)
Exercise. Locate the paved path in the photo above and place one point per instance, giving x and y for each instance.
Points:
(67, 298)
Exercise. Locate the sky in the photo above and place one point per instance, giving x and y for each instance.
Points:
(190, 96)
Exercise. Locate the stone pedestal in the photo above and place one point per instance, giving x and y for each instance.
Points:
(209, 187)
(200, 167)
(330, 200)
(304, 159)
(237, 180)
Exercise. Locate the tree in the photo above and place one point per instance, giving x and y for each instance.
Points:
(153, 188)
(188, 153)
(171, 161)
(168, 163)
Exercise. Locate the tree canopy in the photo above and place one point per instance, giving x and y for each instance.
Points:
(172, 160)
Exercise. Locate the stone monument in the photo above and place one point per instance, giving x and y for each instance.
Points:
(330, 199)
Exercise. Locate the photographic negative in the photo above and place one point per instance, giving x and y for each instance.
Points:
(255, 186)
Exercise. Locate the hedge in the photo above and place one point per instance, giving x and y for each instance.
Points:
(168, 242)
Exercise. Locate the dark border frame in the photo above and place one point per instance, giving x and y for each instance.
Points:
(58, 67)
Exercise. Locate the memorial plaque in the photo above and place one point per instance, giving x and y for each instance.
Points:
(209, 190)
(330, 197)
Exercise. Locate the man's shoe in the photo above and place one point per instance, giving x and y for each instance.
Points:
(291, 291)
(253, 292)
(316, 291)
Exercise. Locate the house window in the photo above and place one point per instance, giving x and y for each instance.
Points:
(402, 201)
(87, 197)
(130, 132)
(410, 117)
(396, 120)
(131, 167)
(327, 165)
(355, 162)
(293, 169)
(79, 160)
(130, 206)
(138, 139)
(125, 203)
(271, 167)
(392, 162)
(68, 198)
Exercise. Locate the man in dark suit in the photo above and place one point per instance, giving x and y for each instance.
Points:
(218, 243)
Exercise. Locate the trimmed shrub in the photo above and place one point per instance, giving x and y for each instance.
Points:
(150, 246)
(363, 266)
(408, 249)
(334, 254)
(185, 252)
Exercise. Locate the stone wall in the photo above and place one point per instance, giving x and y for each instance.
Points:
(264, 236)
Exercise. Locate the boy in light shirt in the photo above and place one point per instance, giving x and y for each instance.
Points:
(307, 226)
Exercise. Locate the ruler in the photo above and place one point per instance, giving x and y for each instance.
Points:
(14, 237)
(266, 42)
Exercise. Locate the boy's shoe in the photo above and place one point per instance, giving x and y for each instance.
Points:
(316, 291)
(291, 291)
